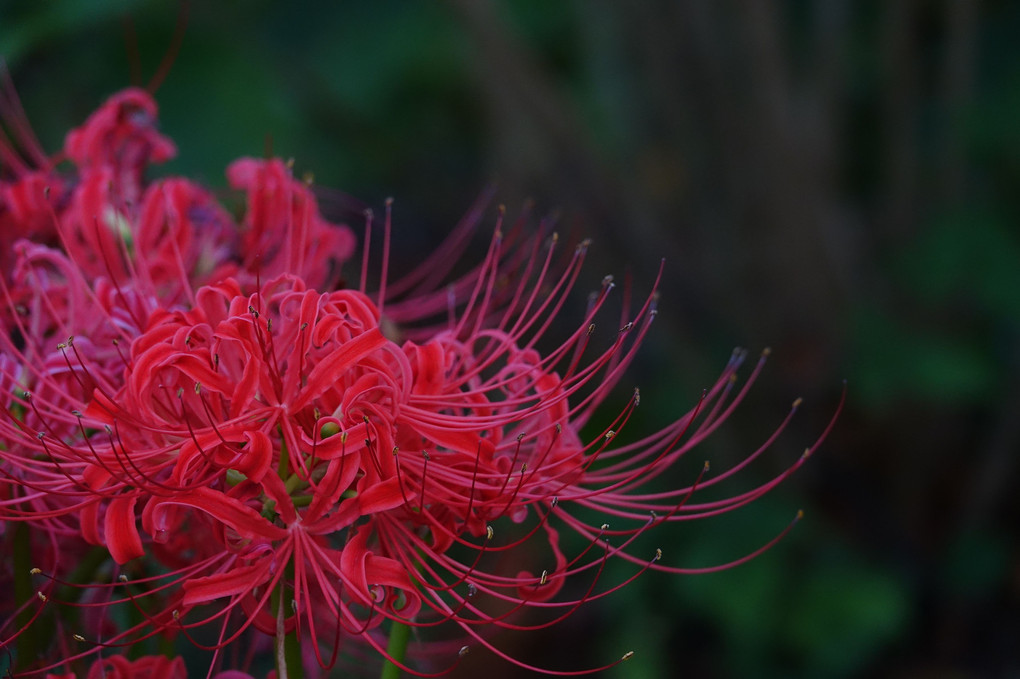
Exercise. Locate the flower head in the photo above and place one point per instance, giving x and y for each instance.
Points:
(255, 451)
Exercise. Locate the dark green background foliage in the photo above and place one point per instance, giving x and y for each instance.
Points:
(837, 179)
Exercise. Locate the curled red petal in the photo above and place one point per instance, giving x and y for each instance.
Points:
(228, 584)
(247, 522)
(122, 538)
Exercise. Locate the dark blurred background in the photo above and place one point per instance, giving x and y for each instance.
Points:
(834, 179)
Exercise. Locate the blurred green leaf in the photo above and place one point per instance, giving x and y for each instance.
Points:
(975, 564)
(897, 360)
(972, 258)
(842, 614)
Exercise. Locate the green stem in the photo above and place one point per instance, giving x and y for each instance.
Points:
(400, 634)
(28, 642)
(288, 646)
(281, 636)
(292, 651)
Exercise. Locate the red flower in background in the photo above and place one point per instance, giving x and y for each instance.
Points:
(118, 667)
(256, 452)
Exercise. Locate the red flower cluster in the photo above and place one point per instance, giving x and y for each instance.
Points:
(206, 435)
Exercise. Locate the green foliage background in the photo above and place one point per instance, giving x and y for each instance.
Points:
(837, 180)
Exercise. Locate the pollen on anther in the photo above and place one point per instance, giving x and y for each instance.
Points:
(545, 577)
(797, 402)
(42, 597)
(123, 578)
(610, 434)
(658, 554)
(628, 655)
(489, 532)
(464, 650)
(78, 637)
(35, 571)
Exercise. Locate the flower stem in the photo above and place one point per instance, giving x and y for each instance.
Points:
(288, 646)
(400, 634)
(28, 643)
(281, 640)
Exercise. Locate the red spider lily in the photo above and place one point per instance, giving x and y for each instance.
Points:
(260, 453)
(118, 667)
